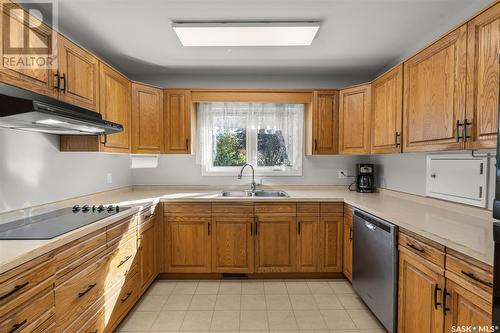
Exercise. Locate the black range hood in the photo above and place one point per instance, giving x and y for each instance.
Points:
(25, 110)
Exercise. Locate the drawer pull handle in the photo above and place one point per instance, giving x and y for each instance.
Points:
(126, 297)
(124, 260)
(13, 291)
(89, 288)
(436, 303)
(15, 327)
(148, 216)
(96, 331)
(416, 248)
(475, 278)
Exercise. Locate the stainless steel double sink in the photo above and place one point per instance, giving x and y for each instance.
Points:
(256, 194)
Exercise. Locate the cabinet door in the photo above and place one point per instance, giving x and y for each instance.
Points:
(276, 239)
(354, 124)
(387, 112)
(232, 244)
(420, 292)
(188, 247)
(347, 241)
(115, 106)
(330, 252)
(147, 250)
(18, 38)
(307, 243)
(483, 49)
(466, 308)
(79, 75)
(147, 119)
(325, 122)
(177, 112)
(434, 95)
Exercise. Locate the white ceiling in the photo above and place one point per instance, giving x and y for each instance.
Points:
(357, 37)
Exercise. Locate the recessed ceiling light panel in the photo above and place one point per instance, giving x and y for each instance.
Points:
(246, 33)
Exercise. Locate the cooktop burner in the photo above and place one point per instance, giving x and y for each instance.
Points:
(58, 222)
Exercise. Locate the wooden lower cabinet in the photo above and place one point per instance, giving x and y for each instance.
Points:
(330, 242)
(232, 244)
(421, 285)
(276, 243)
(188, 244)
(307, 243)
(147, 252)
(347, 243)
(465, 307)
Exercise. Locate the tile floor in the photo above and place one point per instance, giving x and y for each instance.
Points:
(251, 306)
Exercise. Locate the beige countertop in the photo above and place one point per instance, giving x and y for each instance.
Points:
(466, 229)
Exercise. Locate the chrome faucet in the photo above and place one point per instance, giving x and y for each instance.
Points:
(253, 184)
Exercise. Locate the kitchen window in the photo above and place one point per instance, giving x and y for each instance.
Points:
(267, 135)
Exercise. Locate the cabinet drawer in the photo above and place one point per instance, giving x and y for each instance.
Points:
(121, 261)
(239, 208)
(121, 229)
(73, 255)
(332, 208)
(147, 215)
(422, 249)
(123, 300)
(188, 208)
(30, 317)
(475, 275)
(22, 283)
(77, 294)
(308, 208)
(275, 208)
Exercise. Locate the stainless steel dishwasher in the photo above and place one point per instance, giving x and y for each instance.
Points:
(375, 266)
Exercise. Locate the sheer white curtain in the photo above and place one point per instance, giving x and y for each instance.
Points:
(254, 117)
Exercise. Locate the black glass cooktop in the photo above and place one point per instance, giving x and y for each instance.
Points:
(55, 223)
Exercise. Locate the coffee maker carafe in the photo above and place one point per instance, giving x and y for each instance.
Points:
(364, 180)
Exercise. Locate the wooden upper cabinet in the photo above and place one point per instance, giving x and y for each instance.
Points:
(78, 75)
(387, 112)
(434, 95)
(115, 106)
(325, 122)
(147, 119)
(20, 34)
(354, 120)
(483, 70)
(421, 286)
(177, 121)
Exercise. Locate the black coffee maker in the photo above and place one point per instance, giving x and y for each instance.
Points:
(364, 180)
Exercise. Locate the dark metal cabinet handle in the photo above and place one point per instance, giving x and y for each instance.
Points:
(63, 78)
(124, 260)
(315, 145)
(127, 295)
(436, 303)
(89, 288)
(187, 144)
(457, 131)
(57, 86)
(350, 233)
(256, 227)
(13, 291)
(475, 278)
(251, 229)
(466, 124)
(416, 248)
(209, 228)
(15, 327)
(397, 137)
(445, 309)
(299, 225)
(105, 139)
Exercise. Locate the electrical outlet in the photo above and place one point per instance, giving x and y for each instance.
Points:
(109, 178)
(342, 174)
